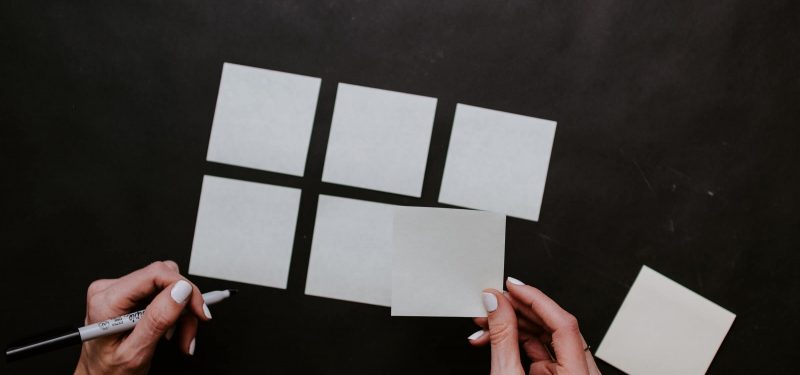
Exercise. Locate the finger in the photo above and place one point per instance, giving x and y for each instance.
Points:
(481, 322)
(479, 338)
(158, 317)
(567, 341)
(534, 348)
(187, 332)
(544, 368)
(502, 333)
(130, 290)
(172, 265)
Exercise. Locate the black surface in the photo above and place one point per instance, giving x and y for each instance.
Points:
(676, 148)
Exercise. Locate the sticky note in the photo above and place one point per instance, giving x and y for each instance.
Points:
(442, 260)
(379, 140)
(351, 252)
(263, 119)
(244, 232)
(497, 161)
(664, 328)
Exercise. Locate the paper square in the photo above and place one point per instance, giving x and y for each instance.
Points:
(497, 161)
(263, 119)
(244, 232)
(351, 253)
(379, 140)
(442, 259)
(664, 328)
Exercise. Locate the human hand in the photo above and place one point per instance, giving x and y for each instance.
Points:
(131, 353)
(524, 315)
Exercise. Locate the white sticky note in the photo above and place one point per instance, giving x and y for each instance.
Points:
(497, 161)
(351, 252)
(664, 328)
(244, 232)
(442, 260)
(379, 140)
(263, 119)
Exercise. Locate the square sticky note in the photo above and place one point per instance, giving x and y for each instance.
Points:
(244, 232)
(497, 161)
(379, 140)
(664, 328)
(442, 259)
(351, 252)
(263, 119)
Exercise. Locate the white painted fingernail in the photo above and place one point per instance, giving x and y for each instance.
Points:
(181, 291)
(515, 281)
(475, 335)
(206, 311)
(489, 302)
(170, 332)
(191, 347)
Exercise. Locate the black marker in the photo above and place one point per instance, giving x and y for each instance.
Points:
(100, 329)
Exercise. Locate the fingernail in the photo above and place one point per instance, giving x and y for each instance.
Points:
(515, 281)
(191, 347)
(180, 291)
(206, 311)
(475, 335)
(489, 302)
(170, 332)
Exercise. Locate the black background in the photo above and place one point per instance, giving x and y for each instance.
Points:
(675, 148)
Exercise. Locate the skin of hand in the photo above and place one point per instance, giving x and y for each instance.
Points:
(131, 353)
(527, 318)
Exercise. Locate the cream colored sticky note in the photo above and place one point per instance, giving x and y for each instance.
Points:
(497, 161)
(244, 232)
(442, 260)
(351, 252)
(663, 328)
(263, 119)
(379, 140)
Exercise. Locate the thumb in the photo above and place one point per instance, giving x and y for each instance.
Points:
(502, 334)
(161, 314)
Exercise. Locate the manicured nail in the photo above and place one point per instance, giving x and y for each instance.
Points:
(181, 291)
(191, 347)
(515, 281)
(475, 335)
(170, 332)
(489, 302)
(206, 311)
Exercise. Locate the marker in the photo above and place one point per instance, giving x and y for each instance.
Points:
(100, 329)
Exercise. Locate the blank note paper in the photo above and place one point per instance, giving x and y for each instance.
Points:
(351, 253)
(497, 161)
(664, 328)
(244, 232)
(379, 140)
(263, 119)
(443, 259)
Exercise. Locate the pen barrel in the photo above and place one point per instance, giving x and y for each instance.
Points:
(107, 327)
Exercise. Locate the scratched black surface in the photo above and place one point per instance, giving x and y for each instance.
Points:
(675, 148)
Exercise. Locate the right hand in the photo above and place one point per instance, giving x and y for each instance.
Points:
(528, 317)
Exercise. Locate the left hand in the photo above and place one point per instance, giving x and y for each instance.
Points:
(132, 352)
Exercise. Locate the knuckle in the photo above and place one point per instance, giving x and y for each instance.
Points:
(95, 287)
(172, 265)
(159, 321)
(500, 332)
(570, 323)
